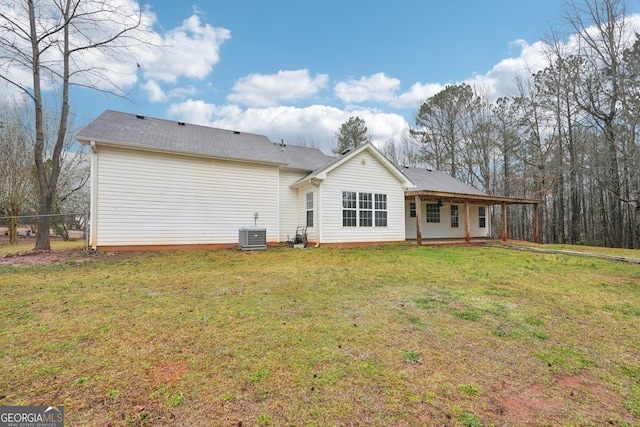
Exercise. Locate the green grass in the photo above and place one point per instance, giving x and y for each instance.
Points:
(628, 253)
(395, 335)
(27, 244)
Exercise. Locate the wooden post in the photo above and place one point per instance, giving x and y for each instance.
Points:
(418, 220)
(467, 226)
(536, 230)
(504, 222)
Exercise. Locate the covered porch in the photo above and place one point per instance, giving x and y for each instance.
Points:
(466, 200)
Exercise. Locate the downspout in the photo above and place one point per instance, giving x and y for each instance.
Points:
(93, 240)
(319, 222)
(278, 205)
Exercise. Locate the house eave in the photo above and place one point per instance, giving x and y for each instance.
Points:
(314, 180)
(470, 198)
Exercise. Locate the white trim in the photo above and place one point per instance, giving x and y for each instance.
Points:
(177, 152)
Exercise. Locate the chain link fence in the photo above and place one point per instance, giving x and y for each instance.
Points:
(67, 232)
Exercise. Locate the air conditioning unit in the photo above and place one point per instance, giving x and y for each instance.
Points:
(253, 239)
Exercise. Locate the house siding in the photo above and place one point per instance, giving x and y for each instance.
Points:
(148, 198)
(443, 229)
(312, 232)
(289, 204)
(363, 173)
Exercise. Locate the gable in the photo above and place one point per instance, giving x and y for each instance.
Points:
(355, 155)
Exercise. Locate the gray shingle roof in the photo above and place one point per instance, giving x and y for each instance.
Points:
(304, 158)
(166, 135)
(430, 180)
(170, 136)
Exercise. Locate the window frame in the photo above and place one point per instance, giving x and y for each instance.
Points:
(364, 209)
(455, 218)
(432, 215)
(309, 209)
(482, 217)
(380, 210)
(412, 210)
(349, 209)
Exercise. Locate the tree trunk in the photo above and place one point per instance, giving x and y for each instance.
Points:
(13, 225)
(613, 182)
(43, 240)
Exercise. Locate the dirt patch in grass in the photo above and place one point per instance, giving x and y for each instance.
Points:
(27, 259)
(526, 404)
(44, 258)
(169, 373)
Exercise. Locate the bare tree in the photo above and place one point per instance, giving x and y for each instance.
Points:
(390, 150)
(440, 126)
(16, 160)
(481, 141)
(631, 114)
(51, 40)
(409, 152)
(602, 37)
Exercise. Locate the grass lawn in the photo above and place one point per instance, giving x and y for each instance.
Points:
(384, 336)
(27, 244)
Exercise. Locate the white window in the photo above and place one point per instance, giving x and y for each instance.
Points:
(349, 205)
(412, 209)
(482, 217)
(433, 212)
(381, 210)
(364, 209)
(454, 216)
(309, 209)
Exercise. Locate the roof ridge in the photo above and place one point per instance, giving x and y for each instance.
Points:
(187, 123)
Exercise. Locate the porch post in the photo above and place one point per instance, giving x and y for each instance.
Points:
(467, 226)
(418, 220)
(504, 222)
(536, 231)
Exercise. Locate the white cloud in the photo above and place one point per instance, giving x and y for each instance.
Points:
(377, 87)
(416, 95)
(267, 90)
(315, 124)
(154, 91)
(382, 88)
(111, 67)
(156, 94)
(190, 50)
(499, 81)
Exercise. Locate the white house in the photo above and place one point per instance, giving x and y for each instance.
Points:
(164, 184)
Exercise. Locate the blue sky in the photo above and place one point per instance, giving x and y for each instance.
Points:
(296, 70)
